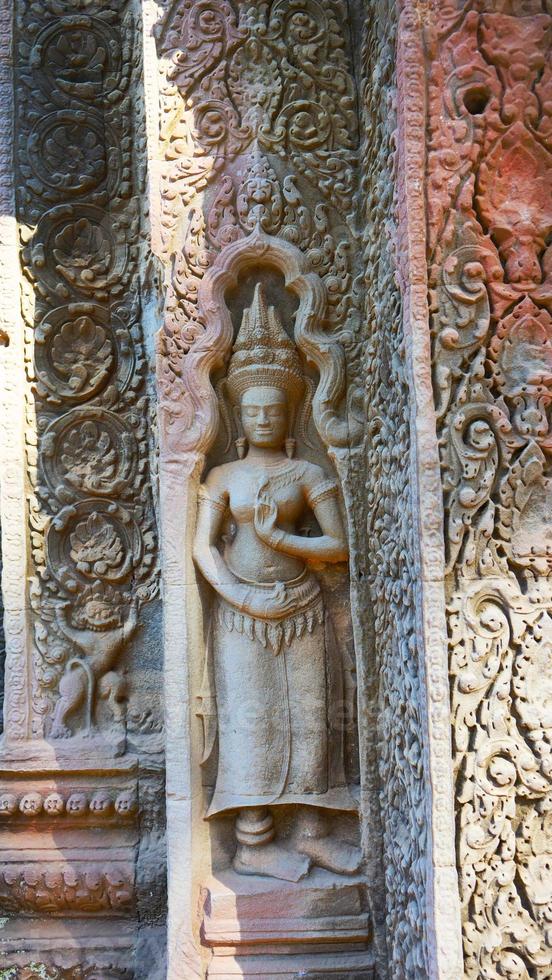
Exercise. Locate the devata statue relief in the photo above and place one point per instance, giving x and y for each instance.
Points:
(274, 672)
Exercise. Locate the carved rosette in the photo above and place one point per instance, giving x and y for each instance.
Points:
(490, 219)
(79, 138)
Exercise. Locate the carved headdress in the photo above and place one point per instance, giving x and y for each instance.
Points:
(264, 355)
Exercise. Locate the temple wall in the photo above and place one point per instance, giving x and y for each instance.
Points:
(335, 216)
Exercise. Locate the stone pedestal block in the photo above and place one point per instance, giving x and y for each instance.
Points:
(310, 966)
(261, 927)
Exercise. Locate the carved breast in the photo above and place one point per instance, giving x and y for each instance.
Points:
(287, 494)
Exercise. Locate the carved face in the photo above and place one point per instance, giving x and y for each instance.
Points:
(264, 414)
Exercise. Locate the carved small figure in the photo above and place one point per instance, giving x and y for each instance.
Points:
(30, 804)
(8, 805)
(77, 803)
(274, 681)
(101, 802)
(126, 803)
(100, 639)
(54, 804)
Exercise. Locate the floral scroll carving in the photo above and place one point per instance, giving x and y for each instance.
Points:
(92, 530)
(243, 92)
(490, 219)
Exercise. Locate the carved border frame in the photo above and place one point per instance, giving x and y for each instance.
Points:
(182, 455)
(443, 901)
(13, 502)
(211, 349)
(319, 350)
(271, 251)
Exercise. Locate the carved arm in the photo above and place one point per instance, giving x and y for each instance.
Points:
(330, 546)
(245, 598)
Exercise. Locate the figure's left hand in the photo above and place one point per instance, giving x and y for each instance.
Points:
(266, 515)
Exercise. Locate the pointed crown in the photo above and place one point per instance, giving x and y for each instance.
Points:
(263, 354)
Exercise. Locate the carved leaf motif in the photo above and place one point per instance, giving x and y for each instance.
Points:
(83, 253)
(82, 352)
(223, 222)
(198, 34)
(95, 546)
(477, 430)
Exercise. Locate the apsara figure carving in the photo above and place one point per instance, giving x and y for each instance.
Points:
(274, 681)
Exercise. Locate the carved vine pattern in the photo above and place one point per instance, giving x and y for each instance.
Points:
(490, 221)
(92, 531)
(392, 577)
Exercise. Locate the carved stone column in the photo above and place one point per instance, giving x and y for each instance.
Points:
(81, 754)
(484, 105)
(259, 138)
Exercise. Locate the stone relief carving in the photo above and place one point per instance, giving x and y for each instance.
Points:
(83, 818)
(55, 890)
(259, 144)
(274, 677)
(225, 180)
(83, 971)
(78, 804)
(395, 726)
(92, 530)
(489, 170)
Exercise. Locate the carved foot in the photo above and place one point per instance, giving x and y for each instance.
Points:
(60, 731)
(313, 839)
(333, 855)
(258, 855)
(271, 860)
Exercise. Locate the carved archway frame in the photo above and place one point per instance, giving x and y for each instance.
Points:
(185, 438)
(211, 350)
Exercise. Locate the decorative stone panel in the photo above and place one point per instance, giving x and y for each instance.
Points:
(79, 143)
(258, 174)
(489, 168)
(81, 775)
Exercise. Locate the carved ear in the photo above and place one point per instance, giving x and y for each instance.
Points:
(236, 416)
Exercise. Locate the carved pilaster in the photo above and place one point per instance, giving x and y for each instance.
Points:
(80, 762)
(489, 169)
(405, 553)
(92, 535)
(259, 140)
